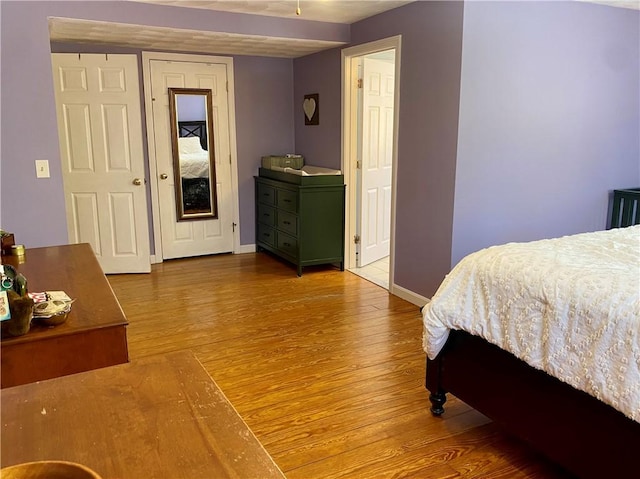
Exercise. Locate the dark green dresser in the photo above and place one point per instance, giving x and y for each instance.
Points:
(300, 218)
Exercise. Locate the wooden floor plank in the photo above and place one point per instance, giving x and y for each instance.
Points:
(326, 369)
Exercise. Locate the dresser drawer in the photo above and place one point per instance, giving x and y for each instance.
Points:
(266, 234)
(266, 215)
(287, 200)
(288, 244)
(266, 194)
(288, 222)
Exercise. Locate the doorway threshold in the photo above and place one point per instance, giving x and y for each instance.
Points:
(376, 272)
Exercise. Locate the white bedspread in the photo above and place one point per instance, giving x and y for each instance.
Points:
(569, 306)
(194, 160)
(194, 165)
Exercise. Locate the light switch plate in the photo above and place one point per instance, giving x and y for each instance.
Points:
(42, 169)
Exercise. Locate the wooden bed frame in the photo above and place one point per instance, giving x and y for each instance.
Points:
(197, 128)
(585, 436)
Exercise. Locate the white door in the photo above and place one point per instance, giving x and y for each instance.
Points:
(100, 132)
(376, 160)
(196, 237)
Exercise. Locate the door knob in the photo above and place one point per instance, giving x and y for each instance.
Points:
(164, 176)
(137, 182)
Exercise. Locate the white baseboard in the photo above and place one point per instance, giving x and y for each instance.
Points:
(408, 295)
(246, 248)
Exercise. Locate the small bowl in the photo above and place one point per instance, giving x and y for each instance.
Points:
(48, 470)
(53, 320)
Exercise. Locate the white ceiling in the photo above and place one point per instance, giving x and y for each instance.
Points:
(335, 11)
(70, 30)
(633, 4)
(169, 39)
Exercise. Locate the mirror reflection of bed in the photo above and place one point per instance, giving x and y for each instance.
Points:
(194, 167)
(190, 110)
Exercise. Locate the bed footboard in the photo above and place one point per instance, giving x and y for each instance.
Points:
(587, 437)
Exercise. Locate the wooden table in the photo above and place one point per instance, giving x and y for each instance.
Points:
(94, 335)
(157, 417)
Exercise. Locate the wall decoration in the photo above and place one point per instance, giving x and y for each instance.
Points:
(311, 107)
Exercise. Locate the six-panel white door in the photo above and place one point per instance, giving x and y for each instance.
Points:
(376, 162)
(100, 132)
(197, 237)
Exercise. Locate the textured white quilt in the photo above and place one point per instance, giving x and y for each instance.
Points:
(194, 165)
(569, 306)
(194, 161)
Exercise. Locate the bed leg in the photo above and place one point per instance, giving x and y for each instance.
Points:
(437, 402)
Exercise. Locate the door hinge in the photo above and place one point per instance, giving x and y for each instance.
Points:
(359, 165)
(227, 86)
(233, 227)
(230, 158)
(356, 239)
(359, 82)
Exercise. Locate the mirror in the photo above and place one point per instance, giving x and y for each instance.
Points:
(193, 153)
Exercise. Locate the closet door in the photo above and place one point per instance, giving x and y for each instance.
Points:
(199, 236)
(100, 133)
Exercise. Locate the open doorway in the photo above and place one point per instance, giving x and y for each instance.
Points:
(370, 103)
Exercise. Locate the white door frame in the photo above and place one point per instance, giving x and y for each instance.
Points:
(349, 141)
(147, 57)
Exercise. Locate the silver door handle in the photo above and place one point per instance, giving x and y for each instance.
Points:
(164, 176)
(137, 182)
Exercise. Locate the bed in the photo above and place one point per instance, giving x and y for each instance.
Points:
(543, 338)
(194, 166)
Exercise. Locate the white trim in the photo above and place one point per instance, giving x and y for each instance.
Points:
(349, 57)
(233, 148)
(407, 295)
(246, 248)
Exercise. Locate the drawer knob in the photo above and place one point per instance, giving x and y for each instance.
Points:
(286, 222)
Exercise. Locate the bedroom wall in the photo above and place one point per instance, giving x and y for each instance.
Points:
(429, 91)
(319, 73)
(549, 119)
(264, 115)
(34, 208)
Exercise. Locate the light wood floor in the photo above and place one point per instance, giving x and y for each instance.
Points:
(326, 369)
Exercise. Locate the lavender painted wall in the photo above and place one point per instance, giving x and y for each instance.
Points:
(191, 108)
(319, 73)
(429, 88)
(264, 114)
(549, 119)
(29, 129)
(32, 208)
